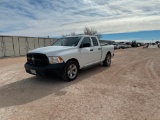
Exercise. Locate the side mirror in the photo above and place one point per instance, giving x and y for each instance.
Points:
(85, 45)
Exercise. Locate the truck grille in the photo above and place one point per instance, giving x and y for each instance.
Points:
(37, 59)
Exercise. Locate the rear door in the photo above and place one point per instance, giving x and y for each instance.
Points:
(96, 50)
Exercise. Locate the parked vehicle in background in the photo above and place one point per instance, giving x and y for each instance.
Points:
(126, 46)
(146, 45)
(116, 46)
(66, 56)
(104, 44)
(158, 45)
(122, 45)
(129, 46)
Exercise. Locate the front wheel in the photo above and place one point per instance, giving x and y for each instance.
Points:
(107, 60)
(70, 71)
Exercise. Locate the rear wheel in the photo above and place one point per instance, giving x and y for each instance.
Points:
(70, 71)
(107, 61)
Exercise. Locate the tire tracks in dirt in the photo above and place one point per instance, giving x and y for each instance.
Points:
(149, 70)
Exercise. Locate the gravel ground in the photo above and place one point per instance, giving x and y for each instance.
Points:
(128, 90)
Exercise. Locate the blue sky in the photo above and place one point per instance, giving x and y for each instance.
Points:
(115, 19)
(141, 36)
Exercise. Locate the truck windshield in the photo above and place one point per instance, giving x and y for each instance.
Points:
(67, 41)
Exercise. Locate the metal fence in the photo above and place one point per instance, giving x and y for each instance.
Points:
(18, 46)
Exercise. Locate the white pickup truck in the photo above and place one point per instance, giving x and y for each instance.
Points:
(67, 56)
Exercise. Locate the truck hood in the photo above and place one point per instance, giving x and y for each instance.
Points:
(51, 50)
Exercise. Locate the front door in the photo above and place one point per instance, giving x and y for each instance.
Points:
(86, 53)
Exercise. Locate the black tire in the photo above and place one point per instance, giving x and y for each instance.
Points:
(107, 60)
(70, 71)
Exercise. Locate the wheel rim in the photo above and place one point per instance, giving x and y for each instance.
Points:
(72, 71)
(108, 59)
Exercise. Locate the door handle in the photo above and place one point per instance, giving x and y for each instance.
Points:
(91, 49)
(99, 48)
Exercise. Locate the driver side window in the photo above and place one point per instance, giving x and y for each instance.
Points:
(85, 41)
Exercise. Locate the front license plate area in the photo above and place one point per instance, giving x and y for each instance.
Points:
(33, 72)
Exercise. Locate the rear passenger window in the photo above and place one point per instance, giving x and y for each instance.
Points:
(86, 40)
(95, 42)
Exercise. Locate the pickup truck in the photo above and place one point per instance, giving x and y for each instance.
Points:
(122, 45)
(116, 46)
(67, 56)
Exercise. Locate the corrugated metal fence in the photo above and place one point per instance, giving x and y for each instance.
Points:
(18, 46)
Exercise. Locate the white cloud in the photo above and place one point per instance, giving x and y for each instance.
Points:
(47, 17)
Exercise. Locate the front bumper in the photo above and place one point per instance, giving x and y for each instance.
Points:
(43, 70)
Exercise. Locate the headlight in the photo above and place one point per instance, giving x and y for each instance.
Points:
(54, 60)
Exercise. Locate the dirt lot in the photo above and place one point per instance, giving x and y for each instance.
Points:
(129, 89)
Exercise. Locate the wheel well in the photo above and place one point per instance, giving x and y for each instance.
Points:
(108, 53)
(73, 59)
